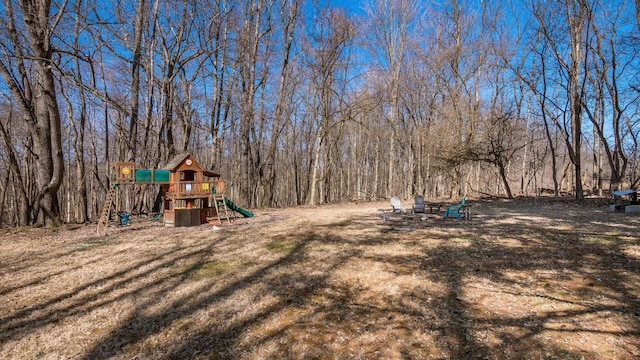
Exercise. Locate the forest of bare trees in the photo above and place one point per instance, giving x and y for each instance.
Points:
(308, 102)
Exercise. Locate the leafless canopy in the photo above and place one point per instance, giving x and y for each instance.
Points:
(308, 102)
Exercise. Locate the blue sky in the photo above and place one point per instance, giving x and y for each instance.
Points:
(352, 6)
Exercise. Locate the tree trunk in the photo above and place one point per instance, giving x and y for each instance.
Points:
(3, 196)
(81, 213)
(314, 178)
(505, 179)
(41, 112)
(135, 82)
(576, 18)
(289, 24)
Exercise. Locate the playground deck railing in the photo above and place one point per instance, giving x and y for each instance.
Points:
(192, 189)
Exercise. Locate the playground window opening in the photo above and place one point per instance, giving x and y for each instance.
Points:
(187, 175)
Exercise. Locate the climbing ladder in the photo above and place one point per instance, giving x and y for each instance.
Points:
(106, 211)
(221, 206)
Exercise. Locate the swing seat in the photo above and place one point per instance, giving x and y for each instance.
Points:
(123, 218)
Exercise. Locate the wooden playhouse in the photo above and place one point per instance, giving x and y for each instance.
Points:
(192, 194)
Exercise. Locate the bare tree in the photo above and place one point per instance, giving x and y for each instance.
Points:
(32, 86)
(391, 25)
(555, 21)
(457, 58)
(289, 117)
(22, 175)
(81, 211)
(141, 11)
(498, 145)
(252, 69)
(328, 57)
(178, 49)
(215, 40)
(609, 101)
(289, 17)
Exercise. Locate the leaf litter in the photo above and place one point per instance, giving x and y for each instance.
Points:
(523, 279)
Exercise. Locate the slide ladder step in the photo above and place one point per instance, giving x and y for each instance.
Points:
(221, 208)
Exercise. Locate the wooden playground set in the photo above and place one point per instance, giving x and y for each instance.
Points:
(192, 195)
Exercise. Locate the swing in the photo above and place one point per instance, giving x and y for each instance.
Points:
(123, 218)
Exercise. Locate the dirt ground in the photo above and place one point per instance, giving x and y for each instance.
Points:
(524, 279)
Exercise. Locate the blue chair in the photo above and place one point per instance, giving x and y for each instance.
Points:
(456, 210)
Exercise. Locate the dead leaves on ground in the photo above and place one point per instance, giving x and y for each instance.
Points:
(520, 280)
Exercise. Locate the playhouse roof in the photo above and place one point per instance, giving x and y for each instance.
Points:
(174, 163)
(177, 160)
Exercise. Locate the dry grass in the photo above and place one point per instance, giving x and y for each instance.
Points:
(523, 279)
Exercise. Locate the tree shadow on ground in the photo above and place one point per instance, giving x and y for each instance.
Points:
(596, 279)
(505, 285)
(218, 340)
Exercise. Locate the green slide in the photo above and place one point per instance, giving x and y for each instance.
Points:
(234, 207)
